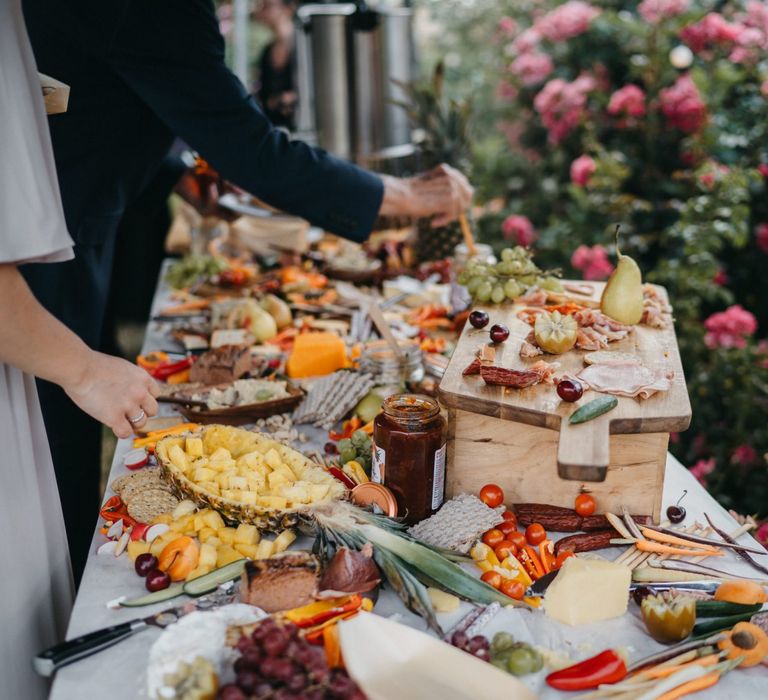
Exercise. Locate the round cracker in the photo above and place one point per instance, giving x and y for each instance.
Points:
(150, 503)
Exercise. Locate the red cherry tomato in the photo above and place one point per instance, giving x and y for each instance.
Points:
(561, 558)
(508, 515)
(507, 527)
(518, 538)
(493, 537)
(514, 589)
(585, 504)
(535, 533)
(504, 548)
(492, 578)
(492, 495)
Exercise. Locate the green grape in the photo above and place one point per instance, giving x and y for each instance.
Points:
(345, 444)
(504, 268)
(527, 280)
(512, 289)
(507, 254)
(463, 277)
(347, 455)
(521, 661)
(515, 267)
(484, 291)
(473, 284)
(497, 295)
(501, 642)
(550, 283)
(521, 253)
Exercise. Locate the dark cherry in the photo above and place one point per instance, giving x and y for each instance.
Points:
(499, 333)
(157, 580)
(478, 319)
(676, 513)
(569, 390)
(145, 563)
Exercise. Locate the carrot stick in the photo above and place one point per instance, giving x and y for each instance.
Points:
(664, 671)
(192, 305)
(657, 547)
(671, 539)
(693, 686)
(180, 428)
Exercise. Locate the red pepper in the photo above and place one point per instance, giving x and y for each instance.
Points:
(547, 555)
(336, 473)
(606, 667)
(530, 561)
(114, 509)
(164, 371)
(352, 603)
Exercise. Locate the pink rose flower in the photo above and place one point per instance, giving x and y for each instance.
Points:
(720, 278)
(526, 41)
(761, 237)
(654, 11)
(682, 105)
(562, 105)
(566, 21)
(505, 91)
(507, 26)
(712, 173)
(519, 229)
(744, 455)
(582, 169)
(702, 468)
(711, 31)
(763, 168)
(592, 262)
(532, 67)
(628, 101)
(729, 328)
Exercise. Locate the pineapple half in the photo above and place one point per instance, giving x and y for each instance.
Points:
(248, 477)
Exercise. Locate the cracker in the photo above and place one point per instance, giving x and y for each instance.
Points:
(147, 478)
(150, 503)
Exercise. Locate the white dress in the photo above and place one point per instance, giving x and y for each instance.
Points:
(36, 583)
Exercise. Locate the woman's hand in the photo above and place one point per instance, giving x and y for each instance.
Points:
(116, 393)
(442, 193)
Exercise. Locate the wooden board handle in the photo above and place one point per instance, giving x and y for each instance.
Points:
(583, 451)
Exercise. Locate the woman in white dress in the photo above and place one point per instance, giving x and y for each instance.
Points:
(36, 584)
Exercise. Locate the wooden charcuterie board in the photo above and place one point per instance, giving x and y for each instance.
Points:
(584, 450)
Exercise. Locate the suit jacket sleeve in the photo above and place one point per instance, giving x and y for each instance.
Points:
(171, 55)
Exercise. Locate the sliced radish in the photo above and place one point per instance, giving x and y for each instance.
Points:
(115, 530)
(107, 548)
(155, 531)
(185, 507)
(121, 544)
(135, 459)
(138, 531)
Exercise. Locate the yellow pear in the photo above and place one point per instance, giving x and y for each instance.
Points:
(622, 298)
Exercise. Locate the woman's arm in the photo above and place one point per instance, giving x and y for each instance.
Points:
(107, 388)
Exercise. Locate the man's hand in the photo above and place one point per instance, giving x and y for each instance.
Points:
(442, 193)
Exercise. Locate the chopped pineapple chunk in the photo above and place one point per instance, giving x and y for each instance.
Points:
(277, 502)
(137, 547)
(238, 482)
(205, 532)
(208, 555)
(284, 540)
(226, 554)
(249, 497)
(226, 535)
(213, 520)
(247, 550)
(178, 458)
(246, 534)
(203, 474)
(264, 549)
(194, 447)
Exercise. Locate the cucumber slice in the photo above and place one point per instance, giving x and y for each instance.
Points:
(593, 409)
(722, 608)
(173, 591)
(210, 582)
(716, 624)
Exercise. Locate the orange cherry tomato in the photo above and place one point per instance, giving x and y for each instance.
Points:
(535, 533)
(561, 558)
(514, 589)
(493, 537)
(504, 548)
(585, 504)
(492, 495)
(518, 538)
(507, 527)
(492, 578)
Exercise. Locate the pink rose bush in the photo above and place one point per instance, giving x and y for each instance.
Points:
(628, 104)
(582, 169)
(592, 262)
(654, 11)
(519, 229)
(532, 67)
(562, 105)
(730, 328)
(682, 105)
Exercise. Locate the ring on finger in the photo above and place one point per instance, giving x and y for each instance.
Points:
(140, 417)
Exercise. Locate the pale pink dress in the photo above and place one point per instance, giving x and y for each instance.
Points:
(35, 583)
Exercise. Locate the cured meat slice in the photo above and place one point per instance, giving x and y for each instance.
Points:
(625, 379)
(545, 369)
(529, 347)
(534, 297)
(519, 379)
(472, 368)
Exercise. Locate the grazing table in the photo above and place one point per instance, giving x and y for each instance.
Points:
(119, 673)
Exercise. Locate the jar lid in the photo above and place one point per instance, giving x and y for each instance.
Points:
(377, 495)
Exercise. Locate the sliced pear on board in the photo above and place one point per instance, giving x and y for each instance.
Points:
(622, 298)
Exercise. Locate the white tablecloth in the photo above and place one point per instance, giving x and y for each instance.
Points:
(119, 673)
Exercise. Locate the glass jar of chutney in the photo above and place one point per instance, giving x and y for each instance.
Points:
(409, 454)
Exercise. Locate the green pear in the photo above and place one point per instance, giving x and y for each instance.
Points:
(622, 298)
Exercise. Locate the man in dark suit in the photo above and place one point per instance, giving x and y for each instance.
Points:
(142, 72)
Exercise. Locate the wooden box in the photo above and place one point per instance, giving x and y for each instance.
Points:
(521, 439)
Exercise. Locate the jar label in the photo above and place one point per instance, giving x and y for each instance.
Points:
(438, 481)
(377, 465)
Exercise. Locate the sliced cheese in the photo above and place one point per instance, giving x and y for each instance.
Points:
(588, 590)
(316, 354)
